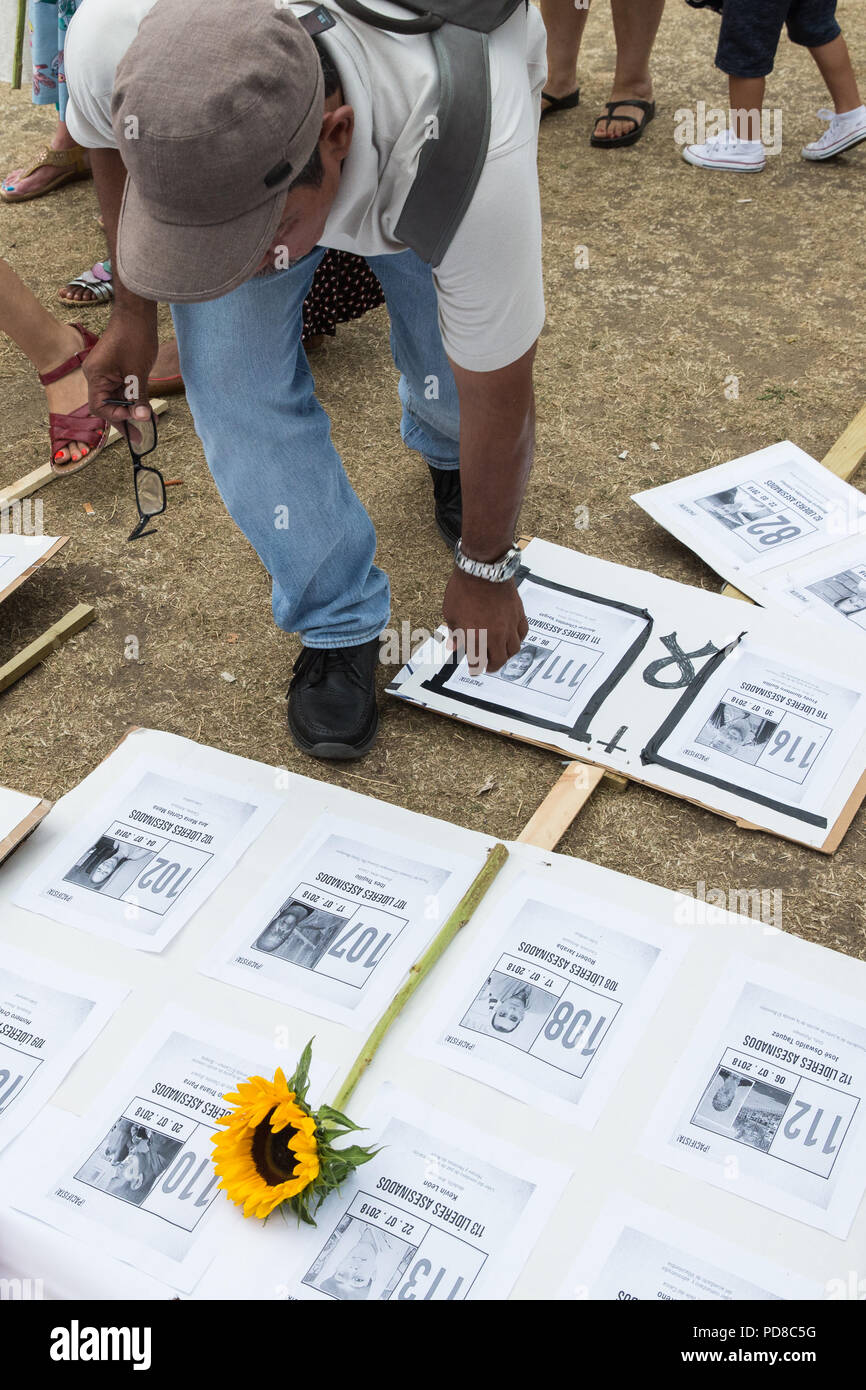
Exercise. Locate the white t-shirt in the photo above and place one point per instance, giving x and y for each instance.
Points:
(491, 303)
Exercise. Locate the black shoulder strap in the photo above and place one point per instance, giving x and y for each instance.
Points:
(453, 155)
(450, 164)
(424, 24)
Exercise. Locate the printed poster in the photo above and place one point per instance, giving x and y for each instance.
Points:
(776, 733)
(140, 1184)
(766, 1101)
(830, 588)
(637, 1252)
(19, 553)
(442, 1213)
(337, 927)
(149, 855)
(553, 1000)
(756, 513)
(579, 646)
(49, 1016)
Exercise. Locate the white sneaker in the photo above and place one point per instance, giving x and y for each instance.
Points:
(842, 132)
(727, 151)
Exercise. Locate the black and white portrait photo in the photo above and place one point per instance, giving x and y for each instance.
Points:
(129, 1161)
(109, 866)
(736, 732)
(733, 508)
(360, 1262)
(845, 593)
(520, 668)
(509, 1008)
(299, 933)
(749, 1111)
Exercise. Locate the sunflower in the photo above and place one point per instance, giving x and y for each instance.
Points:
(275, 1151)
(267, 1152)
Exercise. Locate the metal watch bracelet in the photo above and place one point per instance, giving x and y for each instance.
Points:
(495, 572)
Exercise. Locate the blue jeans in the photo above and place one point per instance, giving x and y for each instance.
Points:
(267, 439)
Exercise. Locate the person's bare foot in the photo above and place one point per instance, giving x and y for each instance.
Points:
(72, 293)
(70, 392)
(14, 182)
(610, 129)
(166, 370)
(558, 85)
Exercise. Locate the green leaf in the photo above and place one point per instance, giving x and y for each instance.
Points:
(300, 1080)
(334, 1117)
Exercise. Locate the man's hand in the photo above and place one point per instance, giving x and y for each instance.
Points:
(487, 620)
(120, 364)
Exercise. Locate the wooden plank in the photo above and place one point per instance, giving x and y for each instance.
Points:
(25, 660)
(32, 482)
(849, 451)
(23, 829)
(843, 458)
(563, 802)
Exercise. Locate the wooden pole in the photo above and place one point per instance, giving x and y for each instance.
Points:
(422, 967)
(18, 51)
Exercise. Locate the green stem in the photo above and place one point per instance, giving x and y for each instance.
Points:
(18, 51)
(422, 967)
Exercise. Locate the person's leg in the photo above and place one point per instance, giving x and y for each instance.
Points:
(847, 121)
(635, 25)
(834, 65)
(746, 95)
(748, 39)
(431, 412)
(268, 445)
(565, 23)
(47, 343)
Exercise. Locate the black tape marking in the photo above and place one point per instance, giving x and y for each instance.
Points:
(650, 754)
(580, 729)
(681, 658)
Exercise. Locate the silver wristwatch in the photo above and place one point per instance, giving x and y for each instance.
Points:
(495, 573)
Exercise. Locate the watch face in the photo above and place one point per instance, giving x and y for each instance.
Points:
(512, 564)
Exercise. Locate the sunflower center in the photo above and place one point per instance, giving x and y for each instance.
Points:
(274, 1160)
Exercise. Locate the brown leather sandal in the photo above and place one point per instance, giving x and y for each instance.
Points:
(89, 430)
(70, 166)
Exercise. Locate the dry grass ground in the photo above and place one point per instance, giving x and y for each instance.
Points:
(686, 284)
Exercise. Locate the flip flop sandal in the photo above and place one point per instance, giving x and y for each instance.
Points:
(97, 280)
(70, 167)
(649, 110)
(559, 103)
(79, 424)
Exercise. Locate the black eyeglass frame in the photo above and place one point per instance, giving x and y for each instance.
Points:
(138, 468)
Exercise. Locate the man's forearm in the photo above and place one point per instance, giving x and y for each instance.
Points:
(109, 176)
(119, 364)
(497, 438)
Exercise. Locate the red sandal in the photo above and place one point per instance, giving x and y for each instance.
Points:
(89, 430)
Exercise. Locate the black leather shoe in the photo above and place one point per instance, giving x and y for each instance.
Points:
(332, 700)
(449, 503)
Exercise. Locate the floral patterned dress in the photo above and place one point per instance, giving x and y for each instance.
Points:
(49, 20)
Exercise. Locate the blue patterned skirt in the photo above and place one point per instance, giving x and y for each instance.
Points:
(49, 20)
